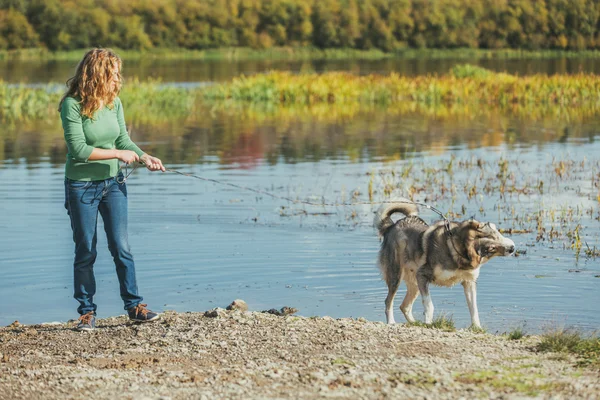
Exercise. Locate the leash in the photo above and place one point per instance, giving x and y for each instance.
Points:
(296, 201)
(288, 199)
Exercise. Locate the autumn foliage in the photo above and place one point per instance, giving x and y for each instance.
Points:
(388, 25)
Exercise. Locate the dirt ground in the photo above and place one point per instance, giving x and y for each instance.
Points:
(255, 355)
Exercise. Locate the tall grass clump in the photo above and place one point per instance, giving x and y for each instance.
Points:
(586, 348)
(442, 322)
(516, 334)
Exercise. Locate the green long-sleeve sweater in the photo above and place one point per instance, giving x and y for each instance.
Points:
(106, 131)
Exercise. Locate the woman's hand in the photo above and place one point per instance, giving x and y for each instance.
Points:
(152, 163)
(127, 156)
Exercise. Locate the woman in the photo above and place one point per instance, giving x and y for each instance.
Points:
(97, 139)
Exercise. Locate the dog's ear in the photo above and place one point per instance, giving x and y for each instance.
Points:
(473, 224)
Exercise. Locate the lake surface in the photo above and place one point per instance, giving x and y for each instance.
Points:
(200, 245)
(32, 72)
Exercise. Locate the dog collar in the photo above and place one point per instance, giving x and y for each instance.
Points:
(450, 235)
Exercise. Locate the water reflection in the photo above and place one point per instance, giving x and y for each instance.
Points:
(245, 140)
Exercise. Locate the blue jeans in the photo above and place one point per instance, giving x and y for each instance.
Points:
(83, 200)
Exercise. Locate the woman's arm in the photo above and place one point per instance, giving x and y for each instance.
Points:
(126, 156)
(70, 116)
(125, 143)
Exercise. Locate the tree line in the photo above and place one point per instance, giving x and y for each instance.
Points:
(388, 25)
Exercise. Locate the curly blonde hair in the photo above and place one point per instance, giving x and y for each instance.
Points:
(92, 81)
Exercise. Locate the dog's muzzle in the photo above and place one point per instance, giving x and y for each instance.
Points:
(509, 246)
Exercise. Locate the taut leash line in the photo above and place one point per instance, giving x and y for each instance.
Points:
(294, 201)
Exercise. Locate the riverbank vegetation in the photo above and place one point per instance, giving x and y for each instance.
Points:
(465, 89)
(571, 341)
(387, 25)
(301, 53)
(465, 84)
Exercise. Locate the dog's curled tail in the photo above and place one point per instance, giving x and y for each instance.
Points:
(383, 220)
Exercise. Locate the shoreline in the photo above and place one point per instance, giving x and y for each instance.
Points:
(240, 354)
(290, 53)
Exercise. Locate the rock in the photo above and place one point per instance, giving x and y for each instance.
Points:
(281, 312)
(214, 313)
(288, 310)
(238, 305)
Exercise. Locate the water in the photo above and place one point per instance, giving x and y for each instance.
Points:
(35, 72)
(200, 245)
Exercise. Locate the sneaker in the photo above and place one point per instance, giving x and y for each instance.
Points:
(140, 313)
(87, 322)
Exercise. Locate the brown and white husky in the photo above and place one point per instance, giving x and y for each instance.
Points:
(440, 254)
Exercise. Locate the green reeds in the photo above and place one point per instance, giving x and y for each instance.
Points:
(465, 85)
(145, 102)
(465, 90)
(24, 103)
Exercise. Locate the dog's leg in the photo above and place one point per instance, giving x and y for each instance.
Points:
(423, 283)
(412, 291)
(471, 296)
(389, 301)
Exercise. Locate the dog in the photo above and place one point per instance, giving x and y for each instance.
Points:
(443, 254)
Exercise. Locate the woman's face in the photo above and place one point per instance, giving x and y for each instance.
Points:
(115, 78)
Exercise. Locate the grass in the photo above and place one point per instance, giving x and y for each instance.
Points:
(477, 329)
(464, 85)
(571, 341)
(592, 252)
(510, 381)
(442, 322)
(470, 71)
(148, 102)
(465, 90)
(342, 361)
(516, 334)
(422, 380)
(298, 53)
